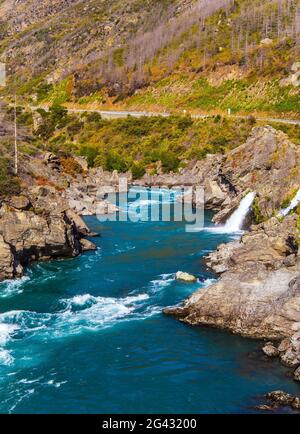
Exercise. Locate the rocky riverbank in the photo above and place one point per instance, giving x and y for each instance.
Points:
(44, 222)
(258, 292)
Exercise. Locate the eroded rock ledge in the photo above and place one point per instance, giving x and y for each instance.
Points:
(258, 293)
(38, 226)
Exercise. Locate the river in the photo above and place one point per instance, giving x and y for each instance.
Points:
(87, 335)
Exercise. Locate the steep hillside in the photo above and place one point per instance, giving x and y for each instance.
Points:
(53, 39)
(198, 55)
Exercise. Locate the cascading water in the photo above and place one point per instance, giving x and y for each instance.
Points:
(235, 222)
(294, 203)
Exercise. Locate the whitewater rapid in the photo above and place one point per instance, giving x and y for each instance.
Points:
(88, 334)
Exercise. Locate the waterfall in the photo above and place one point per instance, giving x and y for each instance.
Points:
(235, 222)
(294, 203)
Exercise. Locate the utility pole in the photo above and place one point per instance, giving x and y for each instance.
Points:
(3, 83)
(16, 134)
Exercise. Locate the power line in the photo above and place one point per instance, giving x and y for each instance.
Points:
(16, 133)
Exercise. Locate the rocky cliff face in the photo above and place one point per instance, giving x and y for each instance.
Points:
(258, 293)
(44, 221)
(29, 232)
(269, 164)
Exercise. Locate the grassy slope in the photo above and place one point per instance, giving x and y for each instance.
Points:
(219, 77)
(247, 96)
(209, 69)
(42, 42)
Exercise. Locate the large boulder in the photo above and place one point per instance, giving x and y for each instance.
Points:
(36, 236)
(87, 245)
(48, 229)
(297, 374)
(256, 303)
(215, 196)
(185, 277)
(271, 244)
(270, 350)
(79, 222)
(289, 348)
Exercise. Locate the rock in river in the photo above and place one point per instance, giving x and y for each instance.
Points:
(185, 277)
(270, 350)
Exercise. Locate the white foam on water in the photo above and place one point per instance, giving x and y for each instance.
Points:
(79, 313)
(87, 312)
(79, 300)
(208, 282)
(149, 198)
(148, 202)
(41, 381)
(156, 191)
(294, 203)
(218, 230)
(119, 249)
(21, 398)
(6, 332)
(26, 381)
(5, 357)
(92, 259)
(163, 281)
(10, 288)
(55, 384)
(149, 312)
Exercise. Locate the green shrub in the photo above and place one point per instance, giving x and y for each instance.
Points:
(43, 91)
(169, 160)
(90, 153)
(9, 184)
(75, 127)
(56, 118)
(138, 170)
(70, 166)
(93, 117)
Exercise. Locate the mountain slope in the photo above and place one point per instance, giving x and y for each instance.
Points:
(54, 38)
(193, 54)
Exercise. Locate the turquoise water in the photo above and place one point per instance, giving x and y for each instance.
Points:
(87, 335)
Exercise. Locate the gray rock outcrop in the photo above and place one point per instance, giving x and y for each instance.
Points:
(46, 230)
(258, 293)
